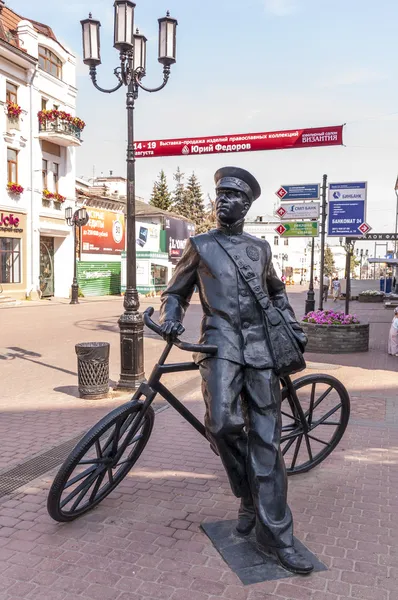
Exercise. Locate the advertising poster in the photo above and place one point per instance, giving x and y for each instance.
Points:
(242, 142)
(104, 233)
(347, 208)
(147, 237)
(177, 234)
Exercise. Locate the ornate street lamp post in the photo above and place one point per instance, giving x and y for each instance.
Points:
(78, 219)
(132, 69)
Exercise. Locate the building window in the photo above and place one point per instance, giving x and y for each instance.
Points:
(49, 62)
(44, 103)
(158, 275)
(263, 237)
(276, 240)
(11, 92)
(12, 165)
(44, 170)
(56, 176)
(286, 242)
(10, 260)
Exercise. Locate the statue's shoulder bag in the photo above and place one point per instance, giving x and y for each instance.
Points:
(284, 348)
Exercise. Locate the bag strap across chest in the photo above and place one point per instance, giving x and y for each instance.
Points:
(249, 277)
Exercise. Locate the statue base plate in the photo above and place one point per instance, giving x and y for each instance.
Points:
(241, 554)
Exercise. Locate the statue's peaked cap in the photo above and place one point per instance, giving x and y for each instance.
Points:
(235, 178)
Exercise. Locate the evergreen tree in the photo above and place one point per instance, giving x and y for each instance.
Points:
(210, 220)
(161, 197)
(329, 265)
(195, 208)
(178, 200)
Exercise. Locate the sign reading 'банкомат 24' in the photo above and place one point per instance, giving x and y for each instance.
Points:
(347, 208)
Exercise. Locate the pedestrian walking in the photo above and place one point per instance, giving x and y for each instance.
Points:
(326, 284)
(393, 337)
(336, 289)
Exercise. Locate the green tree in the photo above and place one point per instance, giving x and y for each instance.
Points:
(178, 198)
(329, 265)
(190, 204)
(210, 220)
(354, 263)
(161, 197)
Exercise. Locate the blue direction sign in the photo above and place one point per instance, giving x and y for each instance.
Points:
(299, 192)
(347, 208)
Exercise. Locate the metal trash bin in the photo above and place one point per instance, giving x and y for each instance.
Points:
(93, 369)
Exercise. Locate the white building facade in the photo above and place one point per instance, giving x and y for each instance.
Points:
(291, 256)
(37, 159)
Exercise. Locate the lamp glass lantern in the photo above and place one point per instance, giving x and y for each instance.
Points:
(140, 52)
(124, 25)
(91, 42)
(167, 40)
(82, 214)
(68, 214)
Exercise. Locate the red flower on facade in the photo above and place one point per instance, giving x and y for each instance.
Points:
(53, 115)
(53, 196)
(14, 188)
(13, 110)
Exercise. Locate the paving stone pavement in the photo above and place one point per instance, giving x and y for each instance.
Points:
(144, 541)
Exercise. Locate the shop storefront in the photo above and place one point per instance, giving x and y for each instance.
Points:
(56, 257)
(13, 254)
(102, 242)
(153, 272)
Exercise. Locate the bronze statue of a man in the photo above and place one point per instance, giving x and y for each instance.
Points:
(240, 387)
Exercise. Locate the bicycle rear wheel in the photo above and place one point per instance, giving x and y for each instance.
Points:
(100, 461)
(310, 435)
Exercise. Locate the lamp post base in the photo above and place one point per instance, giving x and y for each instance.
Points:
(310, 302)
(75, 294)
(131, 327)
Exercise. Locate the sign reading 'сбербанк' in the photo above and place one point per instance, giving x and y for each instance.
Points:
(242, 142)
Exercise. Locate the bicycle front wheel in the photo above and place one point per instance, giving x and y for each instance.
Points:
(308, 437)
(100, 461)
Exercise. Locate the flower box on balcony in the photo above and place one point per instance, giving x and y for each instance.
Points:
(15, 188)
(47, 195)
(60, 126)
(13, 110)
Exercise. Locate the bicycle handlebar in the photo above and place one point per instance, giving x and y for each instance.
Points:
(178, 343)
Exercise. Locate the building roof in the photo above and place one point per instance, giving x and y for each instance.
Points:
(8, 27)
(142, 209)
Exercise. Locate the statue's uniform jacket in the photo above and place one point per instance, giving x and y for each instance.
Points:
(232, 319)
(240, 388)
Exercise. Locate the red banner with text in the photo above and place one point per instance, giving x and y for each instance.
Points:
(242, 142)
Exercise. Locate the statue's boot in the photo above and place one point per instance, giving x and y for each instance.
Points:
(246, 516)
(291, 560)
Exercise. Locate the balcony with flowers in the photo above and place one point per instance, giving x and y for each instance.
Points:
(52, 198)
(60, 127)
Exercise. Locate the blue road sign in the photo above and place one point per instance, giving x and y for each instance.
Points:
(347, 208)
(299, 192)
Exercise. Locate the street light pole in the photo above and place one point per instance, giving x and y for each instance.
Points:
(310, 302)
(79, 219)
(323, 237)
(132, 49)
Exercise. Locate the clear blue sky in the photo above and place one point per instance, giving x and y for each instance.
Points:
(258, 65)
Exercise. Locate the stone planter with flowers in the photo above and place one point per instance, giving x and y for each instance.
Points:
(332, 332)
(371, 296)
